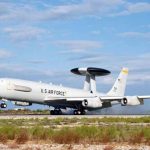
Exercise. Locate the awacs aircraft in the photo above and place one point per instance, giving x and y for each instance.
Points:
(25, 93)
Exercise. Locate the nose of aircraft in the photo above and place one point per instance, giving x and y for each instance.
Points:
(3, 86)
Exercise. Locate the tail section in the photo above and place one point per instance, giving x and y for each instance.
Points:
(118, 88)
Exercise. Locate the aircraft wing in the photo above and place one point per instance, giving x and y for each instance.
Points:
(102, 98)
(144, 97)
(66, 98)
(74, 101)
(126, 100)
(66, 101)
(118, 98)
(111, 98)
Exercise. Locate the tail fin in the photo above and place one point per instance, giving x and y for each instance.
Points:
(118, 88)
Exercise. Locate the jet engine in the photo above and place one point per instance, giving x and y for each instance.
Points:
(131, 100)
(92, 103)
(22, 103)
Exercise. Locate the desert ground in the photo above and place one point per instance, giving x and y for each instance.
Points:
(89, 132)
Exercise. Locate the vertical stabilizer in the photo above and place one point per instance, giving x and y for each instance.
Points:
(118, 88)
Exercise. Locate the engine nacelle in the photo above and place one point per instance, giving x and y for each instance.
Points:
(131, 100)
(22, 103)
(92, 103)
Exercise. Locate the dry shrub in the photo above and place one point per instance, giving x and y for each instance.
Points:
(66, 138)
(40, 133)
(3, 138)
(69, 147)
(37, 148)
(27, 148)
(108, 147)
(22, 137)
(147, 142)
(13, 146)
(137, 138)
(105, 138)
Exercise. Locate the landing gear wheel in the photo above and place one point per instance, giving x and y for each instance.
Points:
(60, 112)
(3, 105)
(56, 112)
(83, 112)
(75, 112)
(79, 112)
(52, 112)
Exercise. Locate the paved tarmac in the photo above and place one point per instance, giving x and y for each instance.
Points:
(68, 116)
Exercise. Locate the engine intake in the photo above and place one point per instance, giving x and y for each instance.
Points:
(85, 102)
(131, 101)
(124, 101)
(92, 103)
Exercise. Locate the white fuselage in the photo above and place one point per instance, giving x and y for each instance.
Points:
(24, 93)
(36, 92)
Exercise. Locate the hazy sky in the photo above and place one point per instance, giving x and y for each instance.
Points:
(44, 39)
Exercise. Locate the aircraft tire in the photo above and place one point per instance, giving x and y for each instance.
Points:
(79, 112)
(60, 112)
(3, 105)
(57, 112)
(83, 112)
(75, 112)
(52, 112)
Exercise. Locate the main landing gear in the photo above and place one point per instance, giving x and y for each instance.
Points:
(56, 112)
(3, 105)
(79, 112)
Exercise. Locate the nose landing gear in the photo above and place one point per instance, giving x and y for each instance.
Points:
(3, 105)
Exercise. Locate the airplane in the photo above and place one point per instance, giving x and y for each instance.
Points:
(26, 93)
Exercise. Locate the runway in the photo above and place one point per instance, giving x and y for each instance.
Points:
(29, 116)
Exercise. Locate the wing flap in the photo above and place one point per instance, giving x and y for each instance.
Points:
(74, 99)
(119, 98)
(78, 99)
(111, 98)
(63, 102)
(67, 98)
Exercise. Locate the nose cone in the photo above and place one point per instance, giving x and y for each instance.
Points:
(2, 87)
